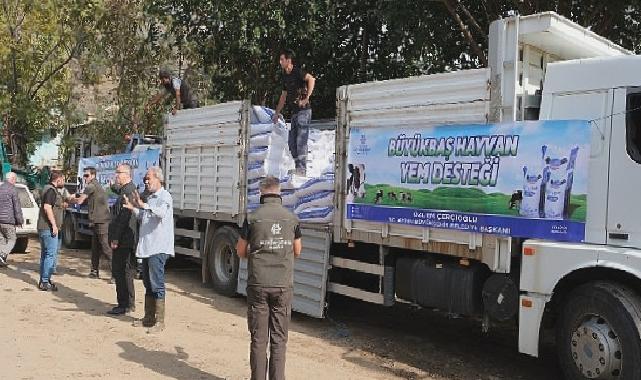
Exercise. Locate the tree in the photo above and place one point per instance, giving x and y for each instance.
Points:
(121, 64)
(40, 40)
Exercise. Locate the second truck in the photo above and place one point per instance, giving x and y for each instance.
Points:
(566, 262)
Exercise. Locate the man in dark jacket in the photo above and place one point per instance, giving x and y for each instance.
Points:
(273, 235)
(123, 231)
(10, 216)
(99, 217)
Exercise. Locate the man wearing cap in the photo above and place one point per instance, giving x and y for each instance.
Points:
(176, 88)
(270, 240)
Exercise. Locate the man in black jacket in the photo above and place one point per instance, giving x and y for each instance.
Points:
(10, 216)
(123, 232)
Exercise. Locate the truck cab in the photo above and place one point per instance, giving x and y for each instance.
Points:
(557, 278)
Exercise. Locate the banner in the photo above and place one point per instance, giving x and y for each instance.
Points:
(524, 179)
(106, 168)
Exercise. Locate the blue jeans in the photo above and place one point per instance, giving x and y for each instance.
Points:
(55, 258)
(48, 254)
(298, 135)
(153, 275)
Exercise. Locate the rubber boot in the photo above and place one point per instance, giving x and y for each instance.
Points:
(160, 317)
(150, 313)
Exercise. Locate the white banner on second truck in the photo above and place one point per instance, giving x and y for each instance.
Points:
(524, 179)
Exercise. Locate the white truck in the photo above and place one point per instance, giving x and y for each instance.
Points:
(542, 67)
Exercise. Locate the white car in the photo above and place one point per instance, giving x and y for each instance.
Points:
(30, 212)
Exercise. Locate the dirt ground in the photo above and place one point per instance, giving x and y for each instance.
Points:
(68, 335)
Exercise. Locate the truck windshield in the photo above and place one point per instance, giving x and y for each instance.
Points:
(633, 124)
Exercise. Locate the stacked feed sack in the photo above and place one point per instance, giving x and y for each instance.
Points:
(320, 152)
(268, 149)
(316, 199)
(311, 197)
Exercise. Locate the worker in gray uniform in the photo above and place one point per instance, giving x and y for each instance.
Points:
(270, 240)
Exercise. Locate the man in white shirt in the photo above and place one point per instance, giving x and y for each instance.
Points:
(155, 244)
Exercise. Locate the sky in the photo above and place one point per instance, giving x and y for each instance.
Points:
(46, 153)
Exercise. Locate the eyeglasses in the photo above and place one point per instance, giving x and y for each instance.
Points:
(117, 172)
(85, 175)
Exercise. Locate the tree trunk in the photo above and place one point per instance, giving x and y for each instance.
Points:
(465, 31)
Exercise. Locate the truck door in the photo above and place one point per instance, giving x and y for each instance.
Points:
(588, 105)
(624, 206)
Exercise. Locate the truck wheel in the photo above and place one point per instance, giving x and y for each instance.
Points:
(21, 245)
(598, 333)
(223, 261)
(69, 233)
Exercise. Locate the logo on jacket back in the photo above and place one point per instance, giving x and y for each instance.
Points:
(276, 228)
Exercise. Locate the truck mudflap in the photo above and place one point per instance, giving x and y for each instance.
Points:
(310, 272)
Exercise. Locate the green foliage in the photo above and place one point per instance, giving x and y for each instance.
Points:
(343, 41)
(126, 50)
(228, 50)
(39, 40)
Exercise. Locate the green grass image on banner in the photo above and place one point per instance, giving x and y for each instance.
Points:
(459, 199)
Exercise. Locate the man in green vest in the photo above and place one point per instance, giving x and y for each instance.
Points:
(49, 223)
(270, 240)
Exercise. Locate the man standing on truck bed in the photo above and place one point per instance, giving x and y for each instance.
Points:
(123, 231)
(178, 89)
(298, 87)
(10, 216)
(273, 234)
(99, 217)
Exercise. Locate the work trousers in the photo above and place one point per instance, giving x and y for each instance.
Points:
(123, 270)
(298, 136)
(7, 239)
(99, 244)
(268, 314)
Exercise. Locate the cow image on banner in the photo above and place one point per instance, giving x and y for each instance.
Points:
(523, 179)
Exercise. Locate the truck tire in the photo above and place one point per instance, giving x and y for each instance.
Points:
(69, 233)
(223, 261)
(598, 333)
(22, 243)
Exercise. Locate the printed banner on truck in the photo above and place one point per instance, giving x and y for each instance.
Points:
(106, 168)
(524, 179)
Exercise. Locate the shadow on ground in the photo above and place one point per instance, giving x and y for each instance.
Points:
(28, 272)
(379, 338)
(164, 363)
(401, 340)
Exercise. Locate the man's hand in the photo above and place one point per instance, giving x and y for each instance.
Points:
(276, 117)
(114, 244)
(303, 102)
(137, 201)
(127, 204)
(54, 231)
